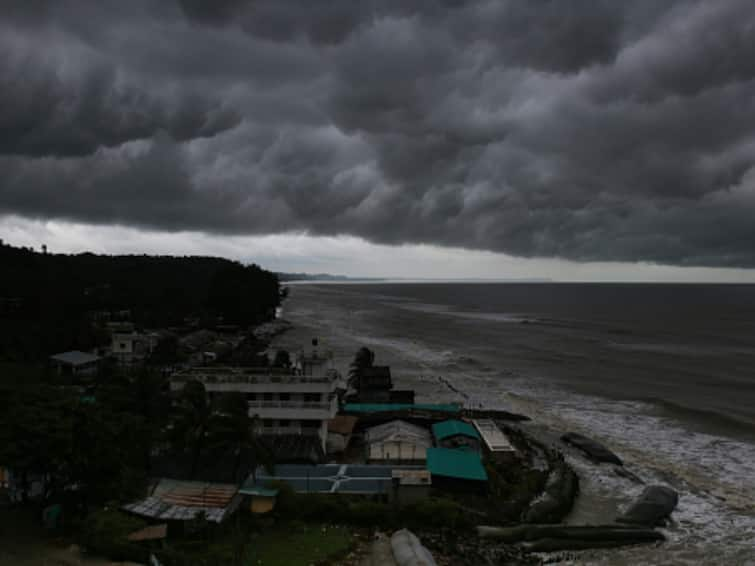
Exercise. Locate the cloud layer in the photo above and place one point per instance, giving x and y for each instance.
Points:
(589, 131)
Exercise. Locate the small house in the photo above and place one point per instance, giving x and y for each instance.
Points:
(456, 434)
(411, 485)
(75, 363)
(397, 441)
(373, 384)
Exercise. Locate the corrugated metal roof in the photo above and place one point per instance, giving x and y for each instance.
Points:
(454, 428)
(495, 439)
(182, 501)
(455, 464)
(398, 431)
(75, 358)
(385, 407)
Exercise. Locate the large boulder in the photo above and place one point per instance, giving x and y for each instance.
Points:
(592, 449)
(654, 504)
(408, 550)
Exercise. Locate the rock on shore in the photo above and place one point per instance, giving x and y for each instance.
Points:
(653, 505)
(592, 449)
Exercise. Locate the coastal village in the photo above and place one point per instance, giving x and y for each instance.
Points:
(258, 455)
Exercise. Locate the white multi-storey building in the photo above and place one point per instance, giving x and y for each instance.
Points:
(300, 400)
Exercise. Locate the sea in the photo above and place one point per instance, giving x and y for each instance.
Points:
(662, 374)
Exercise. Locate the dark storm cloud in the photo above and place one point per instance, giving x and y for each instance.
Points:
(584, 130)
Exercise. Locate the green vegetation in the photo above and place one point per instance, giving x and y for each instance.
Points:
(299, 545)
(361, 512)
(104, 532)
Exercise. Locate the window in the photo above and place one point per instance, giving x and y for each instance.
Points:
(310, 424)
(268, 396)
(283, 423)
(251, 396)
(285, 396)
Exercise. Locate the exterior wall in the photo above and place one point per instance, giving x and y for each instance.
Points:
(284, 402)
(405, 494)
(396, 451)
(69, 369)
(262, 504)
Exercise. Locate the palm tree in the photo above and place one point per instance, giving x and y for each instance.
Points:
(192, 427)
(234, 430)
(364, 358)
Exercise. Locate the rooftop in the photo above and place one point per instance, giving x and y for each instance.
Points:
(450, 428)
(398, 430)
(182, 501)
(327, 478)
(342, 424)
(494, 437)
(455, 464)
(75, 358)
(388, 407)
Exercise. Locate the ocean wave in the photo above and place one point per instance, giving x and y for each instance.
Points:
(710, 417)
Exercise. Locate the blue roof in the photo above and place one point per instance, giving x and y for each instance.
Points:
(385, 407)
(454, 428)
(451, 463)
(324, 478)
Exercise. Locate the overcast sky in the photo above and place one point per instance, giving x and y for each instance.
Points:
(431, 138)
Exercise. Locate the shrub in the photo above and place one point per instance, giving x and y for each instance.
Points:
(105, 531)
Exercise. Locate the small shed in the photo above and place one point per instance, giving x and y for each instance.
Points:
(456, 434)
(458, 470)
(173, 500)
(397, 441)
(340, 429)
(411, 485)
(261, 499)
(495, 440)
(75, 363)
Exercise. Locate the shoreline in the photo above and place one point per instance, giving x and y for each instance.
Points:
(699, 524)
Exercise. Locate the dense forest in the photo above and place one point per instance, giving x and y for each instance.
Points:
(48, 301)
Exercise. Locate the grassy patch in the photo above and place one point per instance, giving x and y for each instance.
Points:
(299, 545)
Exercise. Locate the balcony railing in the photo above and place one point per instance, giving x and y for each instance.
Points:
(250, 376)
(288, 405)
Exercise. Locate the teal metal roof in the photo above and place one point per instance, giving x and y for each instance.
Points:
(384, 407)
(252, 488)
(454, 428)
(451, 463)
(258, 491)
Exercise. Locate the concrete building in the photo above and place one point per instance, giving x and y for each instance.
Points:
(495, 440)
(129, 347)
(296, 401)
(397, 441)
